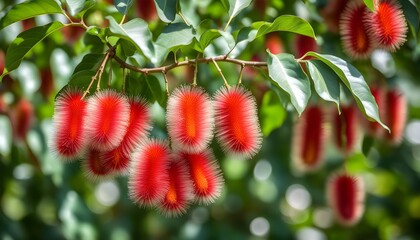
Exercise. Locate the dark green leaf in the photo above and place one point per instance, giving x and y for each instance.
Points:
(29, 9)
(79, 7)
(412, 14)
(272, 113)
(326, 82)
(123, 5)
(355, 82)
(288, 75)
(90, 61)
(166, 10)
(25, 41)
(147, 87)
(368, 142)
(208, 36)
(137, 31)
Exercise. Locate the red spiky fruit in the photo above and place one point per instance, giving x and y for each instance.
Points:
(147, 10)
(108, 114)
(396, 115)
(346, 196)
(69, 139)
(47, 82)
(354, 30)
(274, 43)
(374, 128)
(138, 126)
(190, 119)
(304, 44)
(309, 140)
(387, 25)
(237, 126)
(149, 179)
(205, 174)
(94, 166)
(21, 116)
(347, 129)
(179, 194)
(332, 13)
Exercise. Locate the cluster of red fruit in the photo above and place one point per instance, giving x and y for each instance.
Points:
(109, 132)
(345, 192)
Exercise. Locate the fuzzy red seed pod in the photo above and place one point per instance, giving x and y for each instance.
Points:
(396, 115)
(354, 30)
(237, 126)
(94, 167)
(304, 44)
(374, 128)
(205, 175)
(274, 43)
(108, 114)
(138, 126)
(148, 176)
(69, 139)
(309, 140)
(346, 196)
(190, 119)
(21, 116)
(347, 129)
(179, 194)
(147, 10)
(332, 12)
(387, 25)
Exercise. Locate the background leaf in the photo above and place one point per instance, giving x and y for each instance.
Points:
(29, 9)
(123, 5)
(78, 7)
(236, 6)
(272, 113)
(166, 10)
(412, 15)
(288, 75)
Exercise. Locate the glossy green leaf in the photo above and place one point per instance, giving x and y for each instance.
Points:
(355, 82)
(172, 37)
(369, 4)
(79, 7)
(326, 82)
(123, 5)
(147, 87)
(166, 10)
(287, 74)
(25, 41)
(207, 37)
(29, 9)
(90, 61)
(137, 31)
(236, 6)
(272, 113)
(412, 15)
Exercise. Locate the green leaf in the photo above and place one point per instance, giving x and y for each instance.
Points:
(355, 82)
(272, 113)
(207, 37)
(29, 9)
(166, 10)
(137, 31)
(326, 82)
(369, 4)
(25, 41)
(123, 5)
(357, 163)
(235, 7)
(412, 14)
(172, 37)
(147, 87)
(90, 61)
(79, 7)
(288, 75)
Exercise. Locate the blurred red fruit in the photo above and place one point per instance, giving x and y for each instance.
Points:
(237, 125)
(346, 197)
(387, 24)
(347, 129)
(274, 43)
(21, 116)
(94, 166)
(2, 62)
(108, 114)
(396, 115)
(374, 128)
(28, 24)
(309, 140)
(190, 119)
(72, 33)
(356, 39)
(332, 13)
(205, 175)
(148, 182)
(147, 10)
(304, 44)
(47, 83)
(261, 6)
(69, 138)
(179, 194)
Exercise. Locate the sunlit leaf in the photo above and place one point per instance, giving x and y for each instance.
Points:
(78, 7)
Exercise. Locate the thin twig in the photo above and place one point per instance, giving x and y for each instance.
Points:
(110, 73)
(240, 75)
(124, 77)
(122, 20)
(166, 84)
(183, 18)
(98, 73)
(220, 72)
